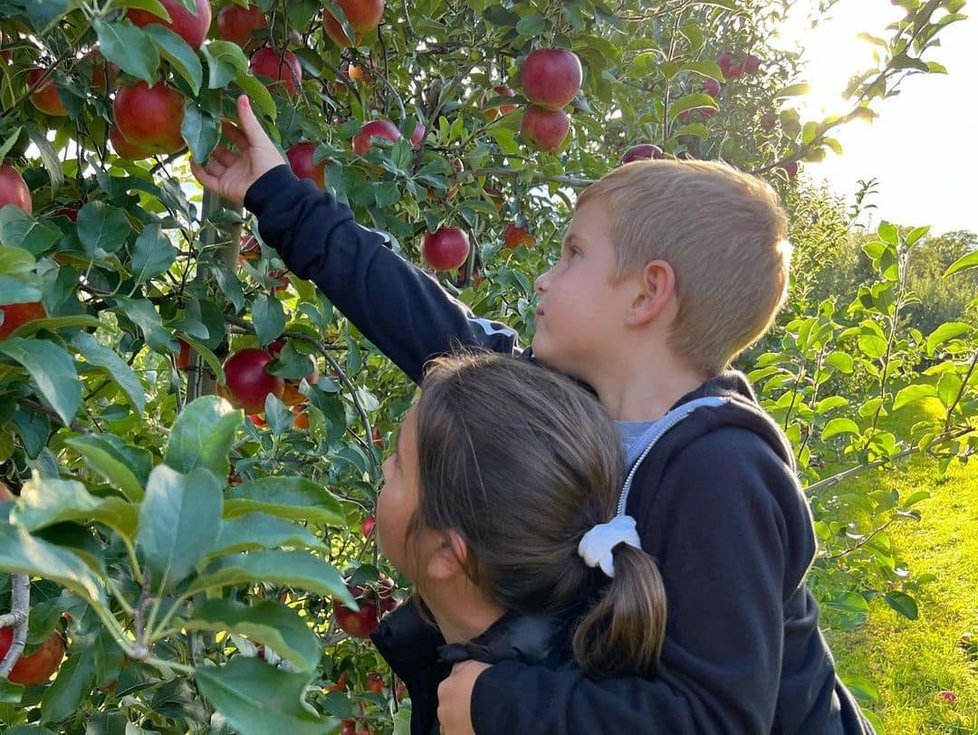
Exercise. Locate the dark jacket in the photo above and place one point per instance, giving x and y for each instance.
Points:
(717, 505)
(418, 654)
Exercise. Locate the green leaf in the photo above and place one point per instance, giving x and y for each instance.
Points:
(256, 531)
(830, 404)
(109, 360)
(101, 455)
(240, 690)
(691, 102)
(178, 521)
(265, 622)
(839, 426)
(795, 90)
(902, 603)
(16, 291)
(225, 62)
(128, 47)
(888, 233)
(963, 263)
(102, 227)
(45, 501)
(201, 131)
(531, 25)
(145, 316)
(22, 231)
(22, 553)
(75, 680)
(49, 157)
(299, 569)
(178, 52)
(840, 361)
(203, 435)
(52, 370)
(945, 332)
(258, 93)
(913, 393)
(153, 253)
(872, 346)
(949, 389)
(268, 317)
(286, 497)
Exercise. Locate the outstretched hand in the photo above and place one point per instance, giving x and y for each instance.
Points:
(230, 173)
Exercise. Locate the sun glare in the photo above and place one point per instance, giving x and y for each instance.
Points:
(832, 50)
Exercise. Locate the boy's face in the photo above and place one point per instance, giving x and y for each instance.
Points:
(398, 498)
(581, 305)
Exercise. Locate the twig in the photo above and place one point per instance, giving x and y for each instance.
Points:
(20, 605)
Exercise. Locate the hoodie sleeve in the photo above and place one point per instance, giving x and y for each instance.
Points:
(404, 312)
(719, 536)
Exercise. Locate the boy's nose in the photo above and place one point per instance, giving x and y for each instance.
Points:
(540, 284)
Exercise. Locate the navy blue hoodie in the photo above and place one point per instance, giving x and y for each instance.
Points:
(717, 505)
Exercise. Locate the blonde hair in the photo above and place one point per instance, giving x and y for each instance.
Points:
(722, 231)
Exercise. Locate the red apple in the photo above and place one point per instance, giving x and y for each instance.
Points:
(301, 157)
(790, 168)
(767, 121)
(16, 314)
(546, 129)
(281, 66)
(515, 235)
(124, 149)
(45, 97)
(149, 118)
(238, 25)
(417, 137)
(380, 128)
(551, 77)
(38, 667)
(751, 64)
(104, 73)
(182, 360)
(247, 381)
(13, 189)
(491, 113)
(711, 86)
(362, 15)
(250, 248)
(445, 249)
(367, 527)
(360, 623)
(291, 396)
(375, 682)
(301, 419)
(640, 152)
(190, 26)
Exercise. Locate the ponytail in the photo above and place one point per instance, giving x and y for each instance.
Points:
(622, 634)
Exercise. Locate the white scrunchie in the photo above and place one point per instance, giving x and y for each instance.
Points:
(597, 544)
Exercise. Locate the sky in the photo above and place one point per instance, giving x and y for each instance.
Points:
(923, 147)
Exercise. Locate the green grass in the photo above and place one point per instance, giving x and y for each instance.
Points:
(911, 661)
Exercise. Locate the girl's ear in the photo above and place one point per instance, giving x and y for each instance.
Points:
(448, 557)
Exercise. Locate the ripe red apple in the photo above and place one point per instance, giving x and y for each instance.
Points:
(247, 381)
(751, 64)
(502, 90)
(551, 77)
(46, 97)
(640, 152)
(182, 360)
(13, 189)
(104, 73)
(515, 235)
(191, 27)
(237, 24)
(149, 118)
(124, 149)
(445, 249)
(38, 667)
(711, 86)
(16, 314)
(790, 168)
(417, 137)
(360, 623)
(375, 682)
(301, 157)
(301, 419)
(362, 15)
(281, 66)
(546, 129)
(381, 128)
(367, 527)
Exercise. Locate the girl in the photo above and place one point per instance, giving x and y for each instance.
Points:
(499, 505)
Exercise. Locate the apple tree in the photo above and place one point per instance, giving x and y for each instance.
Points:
(190, 436)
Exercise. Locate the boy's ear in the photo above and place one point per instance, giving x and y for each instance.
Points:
(448, 558)
(656, 292)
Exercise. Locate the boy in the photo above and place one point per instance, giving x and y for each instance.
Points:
(667, 271)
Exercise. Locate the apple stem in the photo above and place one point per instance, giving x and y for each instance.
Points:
(20, 605)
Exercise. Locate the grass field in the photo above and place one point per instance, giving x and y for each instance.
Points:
(910, 662)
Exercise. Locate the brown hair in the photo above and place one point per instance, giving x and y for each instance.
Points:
(522, 462)
(722, 231)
